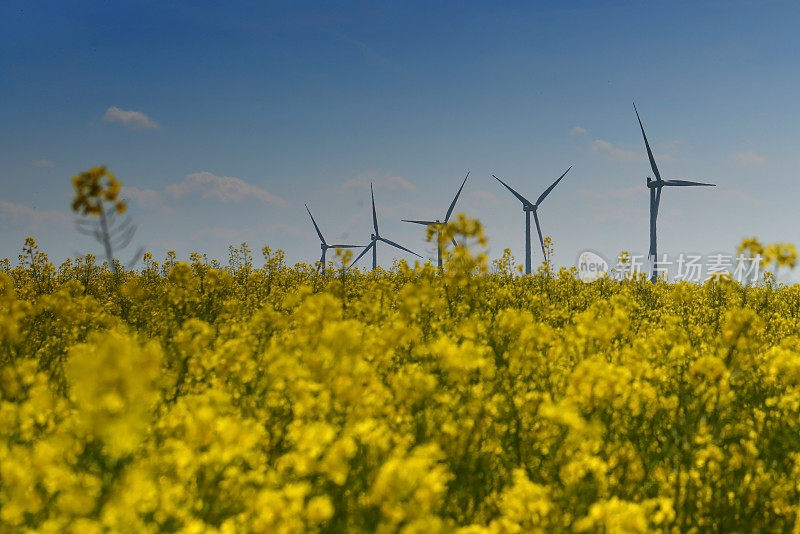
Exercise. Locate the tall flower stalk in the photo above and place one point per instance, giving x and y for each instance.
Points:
(97, 200)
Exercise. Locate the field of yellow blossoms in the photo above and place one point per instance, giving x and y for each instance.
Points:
(192, 397)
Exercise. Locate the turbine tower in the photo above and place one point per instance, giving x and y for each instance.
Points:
(438, 223)
(375, 237)
(324, 244)
(655, 197)
(531, 207)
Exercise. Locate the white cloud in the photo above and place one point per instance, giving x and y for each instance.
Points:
(207, 185)
(32, 217)
(749, 159)
(42, 163)
(613, 153)
(392, 183)
(135, 120)
(577, 130)
(146, 199)
(222, 188)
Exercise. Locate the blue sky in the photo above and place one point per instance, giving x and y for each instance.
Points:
(223, 120)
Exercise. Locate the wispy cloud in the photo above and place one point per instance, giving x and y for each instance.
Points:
(146, 199)
(372, 56)
(134, 120)
(251, 233)
(737, 195)
(749, 158)
(403, 210)
(626, 193)
(627, 204)
(577, 130)
(28, 217)
(392, 183)
(616, 154)
(42, 163)
(222, 188)
(207, 185)
(671, 145)
(732, 196)
(624, 214)
(479, 198)
(613, 153)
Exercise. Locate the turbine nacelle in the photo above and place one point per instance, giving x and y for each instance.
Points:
(323, 245)
(655, 195)
(438, 224)
(529, 207)
(376, 236)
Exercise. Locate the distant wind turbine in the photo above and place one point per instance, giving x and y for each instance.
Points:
(528, 207)
(438, 223)
(374, 238)
(655, 197)
(324, 244)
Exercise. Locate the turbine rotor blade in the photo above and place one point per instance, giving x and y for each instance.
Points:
(539, 230)
(453, 204)
(366, 249)
(344, 246)
(135, 258)
(658, 199)
(319, 233)
(547, 191)
(647, 144)
(520, 197)
(401, 247)
(374, 215)
(686, 183)
(652, 201)
(426, 223)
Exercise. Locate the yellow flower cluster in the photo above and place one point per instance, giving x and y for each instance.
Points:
(192, 397)
(91, 190)
(781, 254)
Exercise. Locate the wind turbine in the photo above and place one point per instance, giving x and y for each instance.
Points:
(374, 238)
(438, 223)
(531, 207)
(324, 244)
(655, 196)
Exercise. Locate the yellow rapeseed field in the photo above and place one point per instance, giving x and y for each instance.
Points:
(188, 397)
